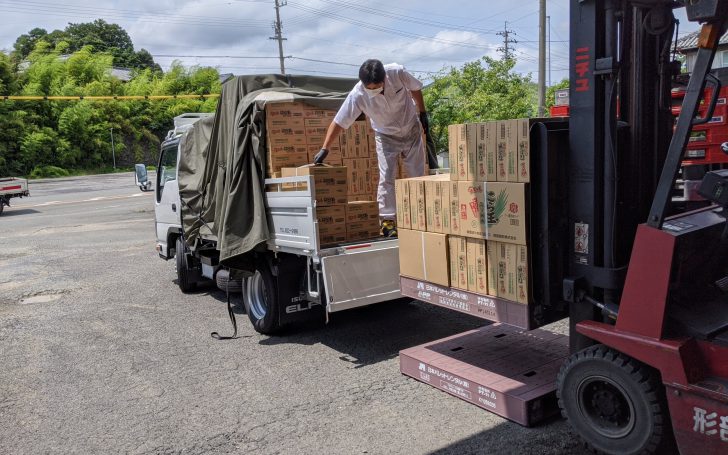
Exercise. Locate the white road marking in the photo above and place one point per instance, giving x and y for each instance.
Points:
(94, 199)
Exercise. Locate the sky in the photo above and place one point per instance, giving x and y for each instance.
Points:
(326, 37)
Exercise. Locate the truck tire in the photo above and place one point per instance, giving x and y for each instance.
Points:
(185, 277)
(615, 403)
(260, 297)
(225, 284)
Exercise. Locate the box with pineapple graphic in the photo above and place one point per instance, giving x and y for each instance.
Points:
(493, 211)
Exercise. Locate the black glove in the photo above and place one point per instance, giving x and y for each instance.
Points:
(320, 156)
(425, 122)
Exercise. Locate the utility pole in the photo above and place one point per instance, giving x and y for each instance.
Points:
(542, 58)
(506, 49)
(113, 151)
(548, 19)
(278, 30)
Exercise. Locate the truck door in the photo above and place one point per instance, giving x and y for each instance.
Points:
(167, 202)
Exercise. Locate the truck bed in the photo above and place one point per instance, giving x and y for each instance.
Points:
(353, 274)
(13, 187)
(293, 222)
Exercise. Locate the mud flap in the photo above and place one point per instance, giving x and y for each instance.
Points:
(294, 309)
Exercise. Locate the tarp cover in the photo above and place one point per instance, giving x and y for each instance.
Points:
(223, 160)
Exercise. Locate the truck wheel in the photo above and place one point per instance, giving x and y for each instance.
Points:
(2, 204)
(615, 403)
(260, 298)
(185, 277)
(225, 284)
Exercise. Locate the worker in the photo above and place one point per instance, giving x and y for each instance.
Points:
(392, 99)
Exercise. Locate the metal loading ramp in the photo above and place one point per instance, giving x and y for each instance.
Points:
(502, 369)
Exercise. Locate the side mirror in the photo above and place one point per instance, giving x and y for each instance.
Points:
(141, 178)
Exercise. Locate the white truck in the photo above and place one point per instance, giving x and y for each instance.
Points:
(290, 278)
(11, 187)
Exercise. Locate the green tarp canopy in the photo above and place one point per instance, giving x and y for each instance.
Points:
(222, 163)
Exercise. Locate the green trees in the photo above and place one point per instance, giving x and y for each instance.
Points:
(486, 89)
(99, 35)
(39, 137)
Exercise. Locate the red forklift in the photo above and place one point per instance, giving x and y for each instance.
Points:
(648, 301)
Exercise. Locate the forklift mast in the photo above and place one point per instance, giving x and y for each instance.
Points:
(620, 171)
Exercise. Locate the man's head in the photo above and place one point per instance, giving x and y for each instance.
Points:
(371, 75)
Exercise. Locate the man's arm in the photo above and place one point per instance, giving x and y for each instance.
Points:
(419, 101)
(331, 134)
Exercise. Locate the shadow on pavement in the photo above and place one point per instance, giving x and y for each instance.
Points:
(16, 212)
(377, 333)
(509, 438)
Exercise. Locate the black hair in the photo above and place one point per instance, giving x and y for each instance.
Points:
(371, 72)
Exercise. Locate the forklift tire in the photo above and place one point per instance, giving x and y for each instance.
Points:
(260, 297)
(614, 403)
(185, 278)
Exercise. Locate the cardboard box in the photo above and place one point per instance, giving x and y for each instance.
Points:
(362, 230)
(402, 193)
(284, 122)
(358, 175)
(418, 215)
(466, 151)
(286, 156)
(362, 211)
(493, 211)
(329, 182)
(434, 201)
(334, 157)
(332, 224)
(357, 140)
(318, 121)
(512, 150)
(477, 258)
(287, 135)
(510, 255)
(446, 204)
(458, 261)
(454, 208)
(522, 276)
(502, 128)
(452, 149)
(363, 198)
(492, 264)
(372, 145)
(486, 154)
(315, 131)
(506, 270)
(316, 112)
(424, 256)
(284, 110)
(524, 150)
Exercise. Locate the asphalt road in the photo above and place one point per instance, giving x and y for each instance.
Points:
(101, 353)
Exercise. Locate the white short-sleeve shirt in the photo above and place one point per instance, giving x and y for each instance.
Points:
(392, 112)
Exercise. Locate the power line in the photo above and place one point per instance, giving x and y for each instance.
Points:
(376, 27)
(74, 12)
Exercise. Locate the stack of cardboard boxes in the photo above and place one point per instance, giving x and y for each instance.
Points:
(296, 132)
(474, 219)
(345, 188)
